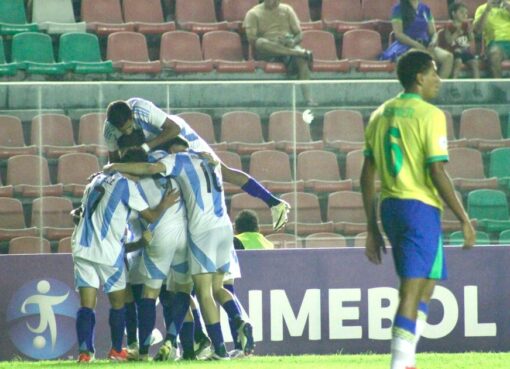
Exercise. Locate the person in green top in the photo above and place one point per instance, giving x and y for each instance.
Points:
(247, 235)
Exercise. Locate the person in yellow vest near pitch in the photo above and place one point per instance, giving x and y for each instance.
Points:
(247, 235)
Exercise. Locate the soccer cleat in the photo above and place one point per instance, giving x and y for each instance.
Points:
(222, 354)
(280, 214)
(245, 338)
(167, 352)
(133, 351)
(236, 354)
(203, 348)
(121, 355)
(86, 357)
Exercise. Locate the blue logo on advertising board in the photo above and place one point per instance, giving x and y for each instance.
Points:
(41, 317)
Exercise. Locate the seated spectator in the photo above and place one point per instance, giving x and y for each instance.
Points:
(414, 27)
(492, 20)
(459, 36)
(274, 34)
(247, 233)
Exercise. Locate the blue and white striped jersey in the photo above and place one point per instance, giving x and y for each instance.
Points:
(107, 204)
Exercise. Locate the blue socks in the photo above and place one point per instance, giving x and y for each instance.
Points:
(214, 331)
(85, 323)
(187, 335)
(180, 308)
(131, 322)
(167, 303)
(255, 189)
(117, 322)
(146, 322)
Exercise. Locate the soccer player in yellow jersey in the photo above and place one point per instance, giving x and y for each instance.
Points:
(406, 145)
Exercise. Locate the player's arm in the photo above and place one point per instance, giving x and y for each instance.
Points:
(398, 30)
(170, 198)
(170, 130)
(444, 186)
(113, 156)
(481, 17)
(138, 169)
(144, 241)
(375, 241)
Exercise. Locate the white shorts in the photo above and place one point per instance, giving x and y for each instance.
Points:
(168, 247)
(133, 262)
(235, 269)
(210, 250)
(90, 274)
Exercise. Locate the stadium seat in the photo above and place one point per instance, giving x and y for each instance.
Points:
(56, 16)
(202, 123)
(490, 208)
(504, 238)
(453, 141)
(272, 169)
(6, 191)
(353, 165)
(325, 59)
(225, 50)
(499, 166)
(379, 13)
(64, 246)
(12, 220)
(466, 169)
(449, 222)
(13, 18)
(345, 210)
(319, 169)
(360, 240)
(343, 130)
(52, 215)
(242, 201)
(234, 11)
(231, 160)
(30, 176)
(341, 15)
(6, 69)
(305, 214)
(282, 127)
(53, 135)
(12, 141)
(181, 52)
(302, 10)
(147, 16)
(81, 51)
(34, 53)
(90, 133)
(242, 131)
(284, 241)
(482, 128)
(197, 16)
(29, 245)
(130, 54)
(74, 181)
(362, 48)
(325, 240)
(104, 17)
(439, 9)
(457, 239)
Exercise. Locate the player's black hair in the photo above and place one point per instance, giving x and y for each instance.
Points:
(135, 138)
(454, 7)
(177, 140)
(408, 13)
(118, 113)
(247, 221)
(134, 155)
(410, 64)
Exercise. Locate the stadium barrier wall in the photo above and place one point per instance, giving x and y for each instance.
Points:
(320, 301)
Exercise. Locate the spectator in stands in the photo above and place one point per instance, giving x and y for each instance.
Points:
(492, 20)
(459, 36)
(414, 27)
(274, 34)
(247, 235)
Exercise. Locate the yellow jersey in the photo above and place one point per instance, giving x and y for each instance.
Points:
(497, 26)
(404, 135)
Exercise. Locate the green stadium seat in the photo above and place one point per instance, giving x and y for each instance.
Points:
(13, 18)
(490, 207)
(81, 51)
(504, 237)
(6, 69)
(457, 239)
(34, 52)
(499, 166)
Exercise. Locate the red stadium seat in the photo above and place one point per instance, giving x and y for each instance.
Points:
(466, 169)
(343, 130)
(242, 131)
(272, 169)
(225, 50)
(6, 191)
(319, 169)
(378, 12)
(181, 52)
(452, 139)
(12, 141)
(147, 16)
(325, 59)
(197, 16)
(74, 181)
(345, 210)
(439, 9)
(343, 15)
(325, 240)
(30, 176)
(362, 47)
(305, 214)
(52, 215)
(284, 241)
(282, 127)
(234, 11)
(64, 246)
(29, 245)
(202, 123)
(104, 16)
(231, 160)
(12, 220)
(303, 12)
(130, 54)
(242, 201)
(90, 133)
(482, 128)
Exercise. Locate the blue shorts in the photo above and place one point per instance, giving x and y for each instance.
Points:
(414, 231)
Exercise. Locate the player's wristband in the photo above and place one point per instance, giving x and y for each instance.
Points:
(146, 147)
